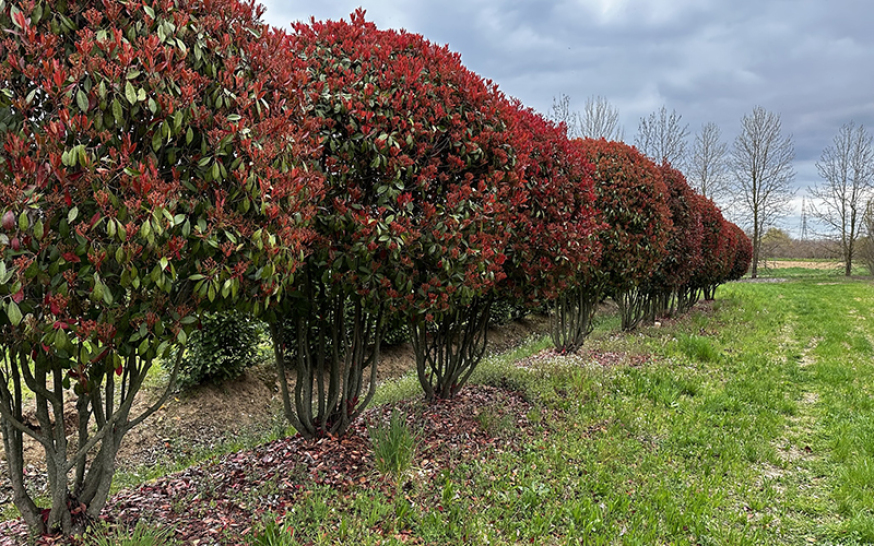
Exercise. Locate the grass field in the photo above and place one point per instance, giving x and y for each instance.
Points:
(750, 421)
(751, 424)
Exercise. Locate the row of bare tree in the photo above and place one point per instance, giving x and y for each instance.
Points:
(752, 181)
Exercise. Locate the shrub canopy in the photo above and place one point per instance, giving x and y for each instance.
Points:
(633, 202)
(151, 165)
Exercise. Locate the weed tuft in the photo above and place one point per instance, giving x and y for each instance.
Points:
(697, 348)
(394, 446)
(141, 535)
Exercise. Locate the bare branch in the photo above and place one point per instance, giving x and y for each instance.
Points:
(847, 169)
(600, 120)
(561, 113)
(761, 168)
(708, 168)
(662, 137)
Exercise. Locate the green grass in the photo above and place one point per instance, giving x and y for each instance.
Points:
(394, 446)
(752, 425)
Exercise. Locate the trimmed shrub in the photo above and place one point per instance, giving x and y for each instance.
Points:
(151, 170)
(418, 167)
(554, 251)
(633, 203)
(664, 289)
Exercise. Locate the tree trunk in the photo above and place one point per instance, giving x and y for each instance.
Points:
(572, 319)
(330, 339)
(449, 348)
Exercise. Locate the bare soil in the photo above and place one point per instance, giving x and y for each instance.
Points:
(820, 266)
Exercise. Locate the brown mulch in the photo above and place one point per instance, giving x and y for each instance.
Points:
(212, 503)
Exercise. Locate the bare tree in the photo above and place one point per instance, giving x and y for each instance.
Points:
(708, 169)
(561, 113)
(847, 168)
(662, 136)
(600, 120)
(761, 167)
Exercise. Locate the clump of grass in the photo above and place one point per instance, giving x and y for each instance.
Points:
(698, 348)
(394, 445)
(493, 422)
(140, 535)
(272, 534)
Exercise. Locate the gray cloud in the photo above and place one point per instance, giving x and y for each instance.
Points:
(808, 60)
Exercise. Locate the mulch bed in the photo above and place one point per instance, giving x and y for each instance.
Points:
(212, 503)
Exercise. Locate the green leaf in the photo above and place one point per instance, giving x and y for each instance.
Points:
(130, 93)
(97, 292)
(82, 100)
(144, 347)
(15, 12)
(14, 313)
(116, 110)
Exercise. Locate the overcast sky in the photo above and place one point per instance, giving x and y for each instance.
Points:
(811, 61)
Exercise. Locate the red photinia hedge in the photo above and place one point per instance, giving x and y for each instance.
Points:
(150, 165)
(633, 203)
(418, 158)
(683, 255)
(554, 247)
(716, 247)
(743, 255)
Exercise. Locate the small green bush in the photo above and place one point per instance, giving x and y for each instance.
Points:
(505, 311)
(226, 345)
(394, 446)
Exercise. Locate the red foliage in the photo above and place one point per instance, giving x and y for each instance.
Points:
(633, 202)
(417, 153)
(717, 247)
(554, 246)
(150, 161)
(743, 255)
(683, 251)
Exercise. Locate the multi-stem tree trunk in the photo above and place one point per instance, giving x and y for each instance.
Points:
(330, 340)
(449, 348)
(572, 319)
(102, 419)
(686, 298)
(709, 292)
(633, 307)
(659, 303)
